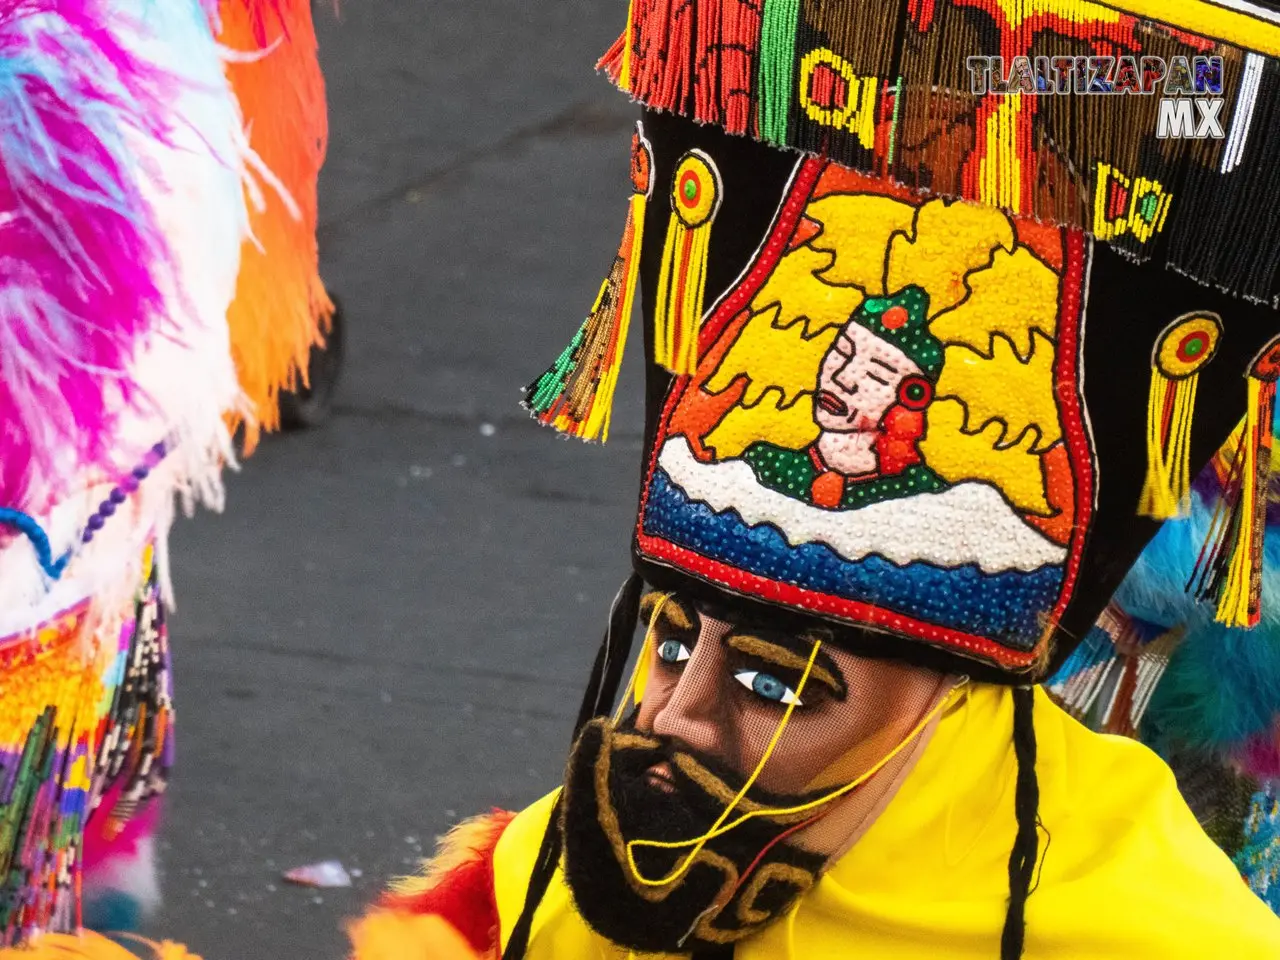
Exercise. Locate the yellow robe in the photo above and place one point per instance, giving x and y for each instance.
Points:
(1127, 874)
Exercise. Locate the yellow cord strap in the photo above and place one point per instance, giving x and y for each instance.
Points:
(719, 829)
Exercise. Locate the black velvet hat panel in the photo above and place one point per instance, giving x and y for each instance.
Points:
(921, 423)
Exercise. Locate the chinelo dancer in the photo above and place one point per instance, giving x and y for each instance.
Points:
(278, 313)
(929, 363)
(128, 189)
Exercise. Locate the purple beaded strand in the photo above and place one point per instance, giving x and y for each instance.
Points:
(120, 493)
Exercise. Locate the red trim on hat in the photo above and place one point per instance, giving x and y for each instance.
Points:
(854, 612)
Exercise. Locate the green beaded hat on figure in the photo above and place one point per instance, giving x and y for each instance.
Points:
(900, 319)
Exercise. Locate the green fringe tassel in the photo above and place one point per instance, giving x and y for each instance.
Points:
(544, 391)
(777, 67)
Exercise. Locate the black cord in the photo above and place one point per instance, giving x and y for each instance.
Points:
(602, 689)
(544, 868)
(1026, 803)
(623, 617)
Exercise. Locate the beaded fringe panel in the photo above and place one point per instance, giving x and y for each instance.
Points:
(86, 730)
(888, 89)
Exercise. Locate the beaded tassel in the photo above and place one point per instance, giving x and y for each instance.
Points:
(1144, 665)
(628, 40)
(777, 67)
(696, 192)
(1079, 682)
(1182, 350)
(1229, 568)
(576, 394)
(1109, 679)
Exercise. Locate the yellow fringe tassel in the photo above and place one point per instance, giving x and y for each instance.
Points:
(576, 394)
(1164, 494)
(1183, 348)
(696, 193)
(628, 38)
(1241, 600)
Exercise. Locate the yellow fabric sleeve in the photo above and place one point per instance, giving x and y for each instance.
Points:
(1126, 873)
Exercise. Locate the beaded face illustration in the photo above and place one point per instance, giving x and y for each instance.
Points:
(884, 425)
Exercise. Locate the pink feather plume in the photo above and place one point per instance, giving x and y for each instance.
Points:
(79, 251)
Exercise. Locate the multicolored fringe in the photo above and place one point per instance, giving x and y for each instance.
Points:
(1259, 858)
(1109, 679)
(696, 194)
(281, 308)
(892, 91)
(1214, 714)
(87, 717)
(576, 394)
(1229, 569)
(1184, 347)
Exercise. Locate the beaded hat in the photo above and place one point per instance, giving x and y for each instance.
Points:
(901, 320)
(919, 368)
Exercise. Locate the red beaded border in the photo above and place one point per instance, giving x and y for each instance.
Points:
(1079, 452)
(1071, 403)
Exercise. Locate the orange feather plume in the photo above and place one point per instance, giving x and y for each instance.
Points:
(92, 946)
(281, 308)
(447, 912)
(390, 935)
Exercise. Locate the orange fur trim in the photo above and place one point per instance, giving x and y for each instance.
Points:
(392, 935)
(467, 843)
(93, 946)
(281, 308)
(458, 884)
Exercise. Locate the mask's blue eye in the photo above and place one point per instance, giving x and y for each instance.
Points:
(767, 686)
(673, 651)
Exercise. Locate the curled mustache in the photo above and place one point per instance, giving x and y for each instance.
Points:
(623, 785)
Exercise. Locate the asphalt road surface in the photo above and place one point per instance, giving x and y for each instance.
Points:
(391, 625)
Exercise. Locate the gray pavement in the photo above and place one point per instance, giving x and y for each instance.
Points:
(391, 625)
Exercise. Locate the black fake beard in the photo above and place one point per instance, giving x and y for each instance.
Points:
(609, 801)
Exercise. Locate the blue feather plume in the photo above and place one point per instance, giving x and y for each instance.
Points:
(1222, 686)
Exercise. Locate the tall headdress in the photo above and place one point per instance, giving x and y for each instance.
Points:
(979, 300)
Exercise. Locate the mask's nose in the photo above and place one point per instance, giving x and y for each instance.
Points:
(695, 714)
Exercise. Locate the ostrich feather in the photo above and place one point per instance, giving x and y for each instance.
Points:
(188, 180)
(80, 250)
(1221, 691)
(281, 308)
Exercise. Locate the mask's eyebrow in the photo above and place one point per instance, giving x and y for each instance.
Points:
(672, 610)
(792, 653)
